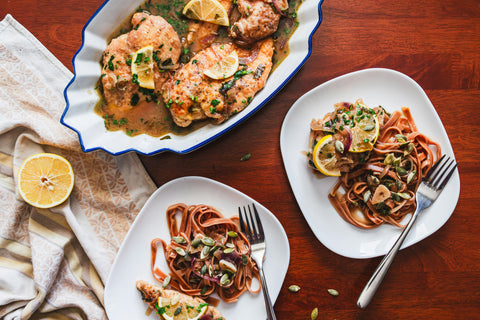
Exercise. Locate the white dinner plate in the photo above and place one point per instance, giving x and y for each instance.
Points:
(392, 90)
(81, 97)
(123, 301)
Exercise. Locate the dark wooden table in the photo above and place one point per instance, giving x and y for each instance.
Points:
(437, 43)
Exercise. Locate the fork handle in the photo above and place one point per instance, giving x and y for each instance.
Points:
(374, 283)
(266, 296)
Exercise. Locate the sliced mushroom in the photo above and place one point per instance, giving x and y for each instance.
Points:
(381, 194)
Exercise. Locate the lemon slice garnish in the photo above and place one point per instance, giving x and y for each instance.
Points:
(206, 10)
(45, 180)
(366, 129)
(142, 67)
(224, 68)
(324, 157)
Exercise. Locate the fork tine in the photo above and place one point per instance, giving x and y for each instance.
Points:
(448, 175)
(254, 224)
(250, 231)
(432, 169)
(438, 175)
(435, 169)
(259, 222)
(242, 223)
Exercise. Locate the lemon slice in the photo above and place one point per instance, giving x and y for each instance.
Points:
(174, 310)
(206, 10)
(366, 129)
(45, 180)
(224, 68)
(324, 157)
(142, 67)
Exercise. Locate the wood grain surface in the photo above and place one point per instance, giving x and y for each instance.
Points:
(437, 43)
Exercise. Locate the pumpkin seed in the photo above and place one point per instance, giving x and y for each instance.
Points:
(195, 243)
(367, 195)
(229, 245)
(333, 292)
(166, 281)
(411, 176)
(203, 270)
(245, 157)
(409, 149)
(404, 195)
(180, 251)
(244, 259)
(205, 251)
(370, 127)
(399, 184)
(395, 197)
(397, 161)
(225, 279)
(389, 159)
(179, 240)
(294, 288)
(401, 171)
(339, 146)
(204, 290)
(228, 250)
(400, 138)
(314, 314)
(232, 234)
(208, 241)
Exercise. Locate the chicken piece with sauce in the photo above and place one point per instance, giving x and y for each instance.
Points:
(259, 19)
(118, 88)
(172, 300)
(191, 95)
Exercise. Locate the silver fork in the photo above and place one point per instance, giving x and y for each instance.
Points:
(254, 232)
(428, 190)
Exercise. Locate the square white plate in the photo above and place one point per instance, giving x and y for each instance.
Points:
(392, 90)
(81, 97)
(123, 301)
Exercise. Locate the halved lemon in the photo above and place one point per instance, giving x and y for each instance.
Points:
(324, 157)
(366, 129)
(224, 68)
(142, 67)
(206, 10)
(180, 310)
(45, 180)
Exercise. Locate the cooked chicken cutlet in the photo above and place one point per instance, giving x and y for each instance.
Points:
(201, 34)
(172, 301)
(191, 95)
(118, 87)
(259, 20)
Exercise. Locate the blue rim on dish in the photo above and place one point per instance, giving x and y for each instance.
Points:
(203, 142)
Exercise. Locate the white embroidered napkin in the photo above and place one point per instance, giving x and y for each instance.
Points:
(53, 263)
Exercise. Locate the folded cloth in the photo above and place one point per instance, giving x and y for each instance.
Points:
(54, 262)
